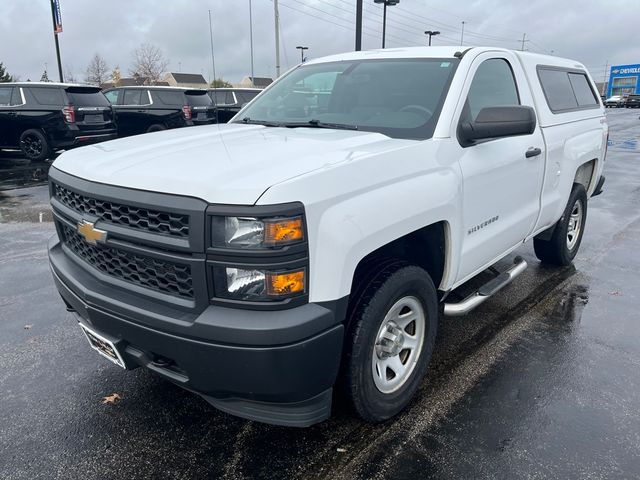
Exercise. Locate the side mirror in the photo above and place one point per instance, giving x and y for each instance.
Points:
(496, 122)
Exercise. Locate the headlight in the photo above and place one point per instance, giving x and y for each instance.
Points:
(256, 233)
(258, 284)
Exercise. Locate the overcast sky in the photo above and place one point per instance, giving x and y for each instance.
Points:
(594, 32)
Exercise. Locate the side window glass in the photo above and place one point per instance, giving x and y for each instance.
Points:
(131, 97)
(16, 97)
(112, 96)
(582, 89)
(47, 96)
(493, 86)
(5, 96)
(557, 88)
(218, 97)
(229, 99)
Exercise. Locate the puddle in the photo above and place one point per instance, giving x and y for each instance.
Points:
(19, 173)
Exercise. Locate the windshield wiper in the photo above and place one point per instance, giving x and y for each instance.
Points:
(266, 123)
(313, 123)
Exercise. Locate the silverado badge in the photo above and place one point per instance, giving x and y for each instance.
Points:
(91, 234)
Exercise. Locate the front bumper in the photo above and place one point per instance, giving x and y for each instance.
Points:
(271, 366)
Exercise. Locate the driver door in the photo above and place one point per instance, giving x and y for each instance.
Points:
(501, 183)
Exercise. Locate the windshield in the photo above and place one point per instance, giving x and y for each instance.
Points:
(400, 98)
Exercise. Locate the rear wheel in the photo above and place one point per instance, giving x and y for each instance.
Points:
(35, 146)
(561, 249)
(392, 337)
(156, 128)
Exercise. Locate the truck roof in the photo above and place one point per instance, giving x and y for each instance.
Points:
(446, 52)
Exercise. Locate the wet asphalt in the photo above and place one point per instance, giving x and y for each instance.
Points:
(542, 381)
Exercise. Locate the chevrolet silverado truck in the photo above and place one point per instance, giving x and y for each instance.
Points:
(307, 248)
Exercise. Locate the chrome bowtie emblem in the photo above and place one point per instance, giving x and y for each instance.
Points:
(91, 234)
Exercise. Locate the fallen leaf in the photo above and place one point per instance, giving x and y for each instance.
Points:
(28, 327)
(341, 450)
(615, 293)
(113, 398)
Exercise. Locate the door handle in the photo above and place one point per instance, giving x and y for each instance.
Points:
(533, 152)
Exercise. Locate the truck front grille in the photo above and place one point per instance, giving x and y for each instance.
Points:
(154, 221)
(167, 277)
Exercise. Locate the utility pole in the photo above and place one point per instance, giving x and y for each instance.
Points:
(605, 80)
(213, 62)
(462, 34)
(524, 36)
(57, 28)
(431, 33)
(277, 21)
(251, 41)
(358, 25)
(302, 49)
(384, 24)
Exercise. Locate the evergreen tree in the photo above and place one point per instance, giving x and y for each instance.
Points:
(44, 77)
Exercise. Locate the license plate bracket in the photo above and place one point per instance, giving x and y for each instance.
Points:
(103, 346)
(93, 118)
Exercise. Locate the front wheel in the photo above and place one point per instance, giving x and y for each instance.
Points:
(392, 337)
(561, 249)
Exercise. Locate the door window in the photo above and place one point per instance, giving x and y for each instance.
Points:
(493, 86)
(131, 97)
(5, 96)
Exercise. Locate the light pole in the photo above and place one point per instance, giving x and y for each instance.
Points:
(251, 42)
(386, 3)
(462, 34)
(302, 49)
(431, 33)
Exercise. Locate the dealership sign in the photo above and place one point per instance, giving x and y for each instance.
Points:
(57, 16)
(622, 70)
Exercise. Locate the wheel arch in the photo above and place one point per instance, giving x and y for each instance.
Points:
(428, 247)
(586, 175)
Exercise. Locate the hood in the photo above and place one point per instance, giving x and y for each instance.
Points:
(231, 163)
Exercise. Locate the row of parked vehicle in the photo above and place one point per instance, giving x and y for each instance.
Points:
(621, 101)
(40, 118)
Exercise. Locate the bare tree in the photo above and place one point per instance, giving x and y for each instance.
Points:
(97, 71)
(69, 76)
(149, 62)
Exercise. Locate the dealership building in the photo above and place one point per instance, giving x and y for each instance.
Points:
(623, 79)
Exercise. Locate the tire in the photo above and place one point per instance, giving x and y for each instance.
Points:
(397, 288)
(561, 249)
(156, 128)
(35, 146)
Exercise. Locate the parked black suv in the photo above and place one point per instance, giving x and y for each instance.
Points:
(151, 109)
(632, 101)
(39, 117)
(229, 101)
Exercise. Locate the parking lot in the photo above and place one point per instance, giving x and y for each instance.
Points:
(542, 381)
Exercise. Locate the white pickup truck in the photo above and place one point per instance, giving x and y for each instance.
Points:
(312, 242)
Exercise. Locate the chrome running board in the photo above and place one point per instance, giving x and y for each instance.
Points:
(486, 291)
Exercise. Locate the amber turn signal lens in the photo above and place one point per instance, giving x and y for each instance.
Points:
(283, 284)
(281, 232)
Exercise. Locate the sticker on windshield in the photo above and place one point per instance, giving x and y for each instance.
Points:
(445, 64)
